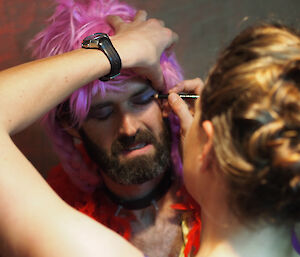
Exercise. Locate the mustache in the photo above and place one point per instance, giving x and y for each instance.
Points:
(123, 143)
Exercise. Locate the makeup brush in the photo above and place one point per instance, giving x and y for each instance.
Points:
(183, 96)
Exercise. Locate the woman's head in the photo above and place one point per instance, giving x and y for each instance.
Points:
(252, 98)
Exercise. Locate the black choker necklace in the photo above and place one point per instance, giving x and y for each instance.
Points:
(145, 201)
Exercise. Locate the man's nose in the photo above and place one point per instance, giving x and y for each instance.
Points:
(129, 125)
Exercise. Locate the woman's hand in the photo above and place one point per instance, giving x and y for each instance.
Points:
(140, 44)
(184, 109)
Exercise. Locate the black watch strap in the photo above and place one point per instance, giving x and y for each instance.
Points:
(102, 42)
(115, 61)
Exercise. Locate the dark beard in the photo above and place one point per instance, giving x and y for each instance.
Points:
(137, 170)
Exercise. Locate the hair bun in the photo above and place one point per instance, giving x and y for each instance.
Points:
(292, 72)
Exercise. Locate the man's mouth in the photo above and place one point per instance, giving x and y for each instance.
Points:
(137, 149)
(136, 146)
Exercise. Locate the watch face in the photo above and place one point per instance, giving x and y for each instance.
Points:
(102, 42)
(92, 41)
(95, 36)
(89, 38)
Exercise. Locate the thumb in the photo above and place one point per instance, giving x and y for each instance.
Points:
(157, 79)
(180, 108)
(154, 74)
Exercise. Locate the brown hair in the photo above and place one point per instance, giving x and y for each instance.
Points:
(252, 97)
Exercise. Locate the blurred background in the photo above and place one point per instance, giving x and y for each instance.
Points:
(204, 26)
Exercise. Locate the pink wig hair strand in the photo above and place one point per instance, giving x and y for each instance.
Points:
(70, 23)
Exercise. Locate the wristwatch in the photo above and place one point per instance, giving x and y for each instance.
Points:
(102, 42)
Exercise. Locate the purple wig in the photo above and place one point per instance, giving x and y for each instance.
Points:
(70, 23)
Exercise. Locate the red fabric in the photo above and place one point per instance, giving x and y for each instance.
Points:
(99, 207)
(62, 185)
(95, 205)
(193, 237)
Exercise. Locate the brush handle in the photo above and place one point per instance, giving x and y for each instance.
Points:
(183, 96)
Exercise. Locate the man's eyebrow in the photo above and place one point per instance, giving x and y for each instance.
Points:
(100, 105)
(94, 108)
(142, 90)
(107, 103)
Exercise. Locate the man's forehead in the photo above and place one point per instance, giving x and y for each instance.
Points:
(126, 90)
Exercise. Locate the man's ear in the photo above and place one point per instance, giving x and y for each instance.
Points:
(70, 130)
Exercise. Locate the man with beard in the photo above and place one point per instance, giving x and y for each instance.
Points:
(118, 164)
(124, 134)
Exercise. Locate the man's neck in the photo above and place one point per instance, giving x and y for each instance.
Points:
(139, 196)
(163, 223)
(131, 192)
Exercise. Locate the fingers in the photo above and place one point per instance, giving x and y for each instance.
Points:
(170, 48)
(173, 38)
(156, 77)
(154, 74)
(146, 40)
(181, 109)
(192, 85)
(161, 22)
(140, 15)
(189, 86)
(115, 21)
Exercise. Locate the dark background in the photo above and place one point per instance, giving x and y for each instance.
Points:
(204, 27)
